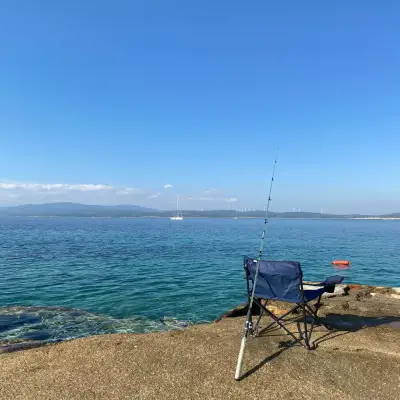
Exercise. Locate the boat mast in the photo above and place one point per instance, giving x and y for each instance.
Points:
(178, 212)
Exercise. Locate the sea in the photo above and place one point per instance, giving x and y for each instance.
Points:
(63, 278)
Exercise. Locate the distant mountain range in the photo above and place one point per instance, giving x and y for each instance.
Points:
(128, 210)
(74, 209)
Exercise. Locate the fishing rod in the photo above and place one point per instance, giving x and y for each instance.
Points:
(249, 325)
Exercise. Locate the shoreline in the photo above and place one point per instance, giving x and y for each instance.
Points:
(205, 217)
(341, 292)
(359, 359)
(11, 343)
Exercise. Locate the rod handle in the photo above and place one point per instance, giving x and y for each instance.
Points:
(240, 359)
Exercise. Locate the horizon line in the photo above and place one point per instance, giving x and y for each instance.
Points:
(242, 210)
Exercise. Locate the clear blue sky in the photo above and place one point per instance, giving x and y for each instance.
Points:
(196, 94)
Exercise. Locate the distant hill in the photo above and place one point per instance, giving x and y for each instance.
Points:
(129, 210)
(74, 209)
(394, 215)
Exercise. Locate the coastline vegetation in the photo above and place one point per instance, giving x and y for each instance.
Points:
(132, 211)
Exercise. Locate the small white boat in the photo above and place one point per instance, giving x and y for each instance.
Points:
(178, 216)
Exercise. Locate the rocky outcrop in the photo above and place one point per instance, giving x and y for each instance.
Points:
(345, 297)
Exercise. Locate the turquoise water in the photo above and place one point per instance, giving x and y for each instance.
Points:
(69, 277)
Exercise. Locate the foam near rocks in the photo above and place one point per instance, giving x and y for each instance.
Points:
(26, 327)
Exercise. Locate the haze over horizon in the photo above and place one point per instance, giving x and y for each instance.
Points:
(137, 103)
(71, 207)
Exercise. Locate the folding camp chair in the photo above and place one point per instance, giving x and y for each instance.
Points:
(283, 281)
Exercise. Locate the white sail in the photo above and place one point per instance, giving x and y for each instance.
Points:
(179, 215)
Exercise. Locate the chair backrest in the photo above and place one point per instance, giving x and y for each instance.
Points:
(277, 280)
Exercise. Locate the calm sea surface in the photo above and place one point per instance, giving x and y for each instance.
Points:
(70, 277)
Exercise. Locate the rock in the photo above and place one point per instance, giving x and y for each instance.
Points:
(277, 310)
(387, 291)
(383, 290)
(241, 310)
(346, 305)
(10, 321)
(238, 311)
(23, 346)
(39, 335)
(354, 286)
(363, 294)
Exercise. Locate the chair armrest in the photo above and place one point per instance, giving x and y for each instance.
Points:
(333, 280)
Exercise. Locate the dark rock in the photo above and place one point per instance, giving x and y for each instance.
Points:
(8, 321)
(346, 305)
(239, 311)
(37, 335)
(363, 294)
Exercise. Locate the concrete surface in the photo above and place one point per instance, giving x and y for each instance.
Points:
(359, 360)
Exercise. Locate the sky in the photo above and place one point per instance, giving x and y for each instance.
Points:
(137, 102)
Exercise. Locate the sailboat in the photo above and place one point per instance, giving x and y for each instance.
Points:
(178, 216)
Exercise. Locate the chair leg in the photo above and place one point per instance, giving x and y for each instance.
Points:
(306, 334)
(256, 325)
(314, 315)
(278, 321)
(280, 318)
